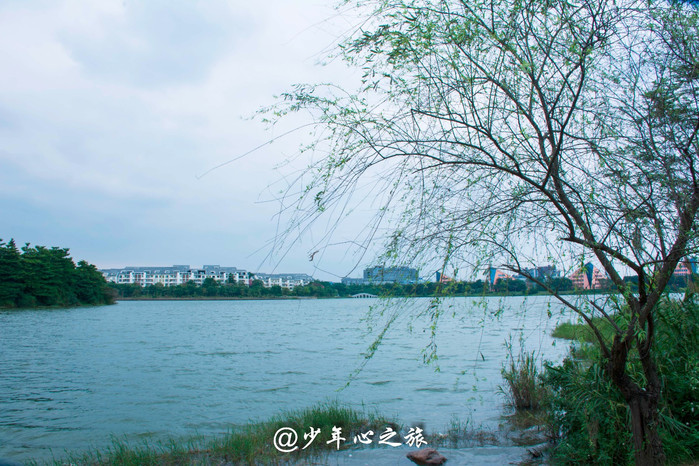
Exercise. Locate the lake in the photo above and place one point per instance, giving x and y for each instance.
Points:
(70, 379)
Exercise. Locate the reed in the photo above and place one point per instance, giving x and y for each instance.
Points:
(251, 443)
(524, 386)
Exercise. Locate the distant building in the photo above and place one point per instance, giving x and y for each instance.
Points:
(439, 277)
(543, 273)
(380, 274)
(352, 281)
(175, 275)
(588, 277)
(167, 276)
(288, 280)
(180, 274)
(683, 270)
(225, 274)
(494, 275)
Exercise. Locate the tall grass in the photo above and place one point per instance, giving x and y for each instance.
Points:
(591, 417)
(583, 332)
(248, 444)
(524, 385)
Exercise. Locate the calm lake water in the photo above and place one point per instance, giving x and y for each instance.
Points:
(70, 379)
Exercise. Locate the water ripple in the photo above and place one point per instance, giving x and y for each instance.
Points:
(159, 369)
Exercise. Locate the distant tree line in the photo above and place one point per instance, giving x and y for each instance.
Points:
(37, 276)
(211, 288)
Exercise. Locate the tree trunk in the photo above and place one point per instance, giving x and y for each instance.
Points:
(648, 448)
(643, 404)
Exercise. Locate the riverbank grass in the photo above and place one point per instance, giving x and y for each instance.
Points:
(524, 387)
(580, 331)
(585, 414)
(247, 444)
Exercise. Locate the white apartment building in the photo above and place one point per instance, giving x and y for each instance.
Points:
(180, 274)
(288, 281)
(175, 275)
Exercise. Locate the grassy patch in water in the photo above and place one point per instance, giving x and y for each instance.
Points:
(582, 331)
(524, 387)
(460, 434)
(248, 444)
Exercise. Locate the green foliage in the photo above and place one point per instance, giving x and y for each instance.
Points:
(318, 289)
(40, 276)
(10, 274)
(524, 385)
(677, 357)
(247, 444)
(582, 332)
(89, 285)
(590, 415)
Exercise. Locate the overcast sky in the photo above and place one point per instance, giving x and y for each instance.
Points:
(110, 110)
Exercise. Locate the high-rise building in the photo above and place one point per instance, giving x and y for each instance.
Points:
(588, 277)
(380, 274)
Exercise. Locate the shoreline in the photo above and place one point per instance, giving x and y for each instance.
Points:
(253, 442)
(285, 298)
(223, 298)
(288, 298)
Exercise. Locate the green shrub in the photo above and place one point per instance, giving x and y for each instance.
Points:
(245, 444)
(588, 416)
(582, 332)
(591, 418)
(524, 385)
(677, 357)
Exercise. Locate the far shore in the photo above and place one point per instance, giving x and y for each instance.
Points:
(222, 298)
(286, 298)
(290, 298)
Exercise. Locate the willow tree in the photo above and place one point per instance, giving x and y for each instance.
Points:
(525, 131)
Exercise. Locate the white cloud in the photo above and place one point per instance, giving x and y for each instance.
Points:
(109, 110)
